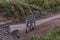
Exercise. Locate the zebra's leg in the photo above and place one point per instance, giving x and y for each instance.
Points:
(0, 37)
(27, 25)
(30, 27)
(34, 24)
(26, 30)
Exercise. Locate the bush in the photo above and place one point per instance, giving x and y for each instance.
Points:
(53, 5)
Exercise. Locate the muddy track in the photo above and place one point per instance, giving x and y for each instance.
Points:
(42, 26)
(22, 27)
(42, 29)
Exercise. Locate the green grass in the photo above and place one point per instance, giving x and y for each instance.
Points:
(53, 34)
(22, 8)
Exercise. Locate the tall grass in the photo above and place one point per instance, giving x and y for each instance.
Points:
(22, 8)
(53, 5)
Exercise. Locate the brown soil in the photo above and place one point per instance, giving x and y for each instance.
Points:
(43, 28)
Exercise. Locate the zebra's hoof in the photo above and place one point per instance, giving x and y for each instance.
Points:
(33, 28)
(26, 32)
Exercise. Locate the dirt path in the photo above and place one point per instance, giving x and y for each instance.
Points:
(22, 27)
(45, 27)
(42, 27)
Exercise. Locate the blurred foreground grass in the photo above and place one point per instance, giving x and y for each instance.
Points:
(53, 34)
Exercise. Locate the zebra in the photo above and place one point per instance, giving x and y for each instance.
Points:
(30, 22)
(16, 34)
(4, 33)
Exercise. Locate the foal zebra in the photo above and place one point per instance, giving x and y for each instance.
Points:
(30, 22)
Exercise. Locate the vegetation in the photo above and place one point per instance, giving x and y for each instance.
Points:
(19, 9)
(53, 34)
(4, 6)
(17, 12)
(53, 5)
